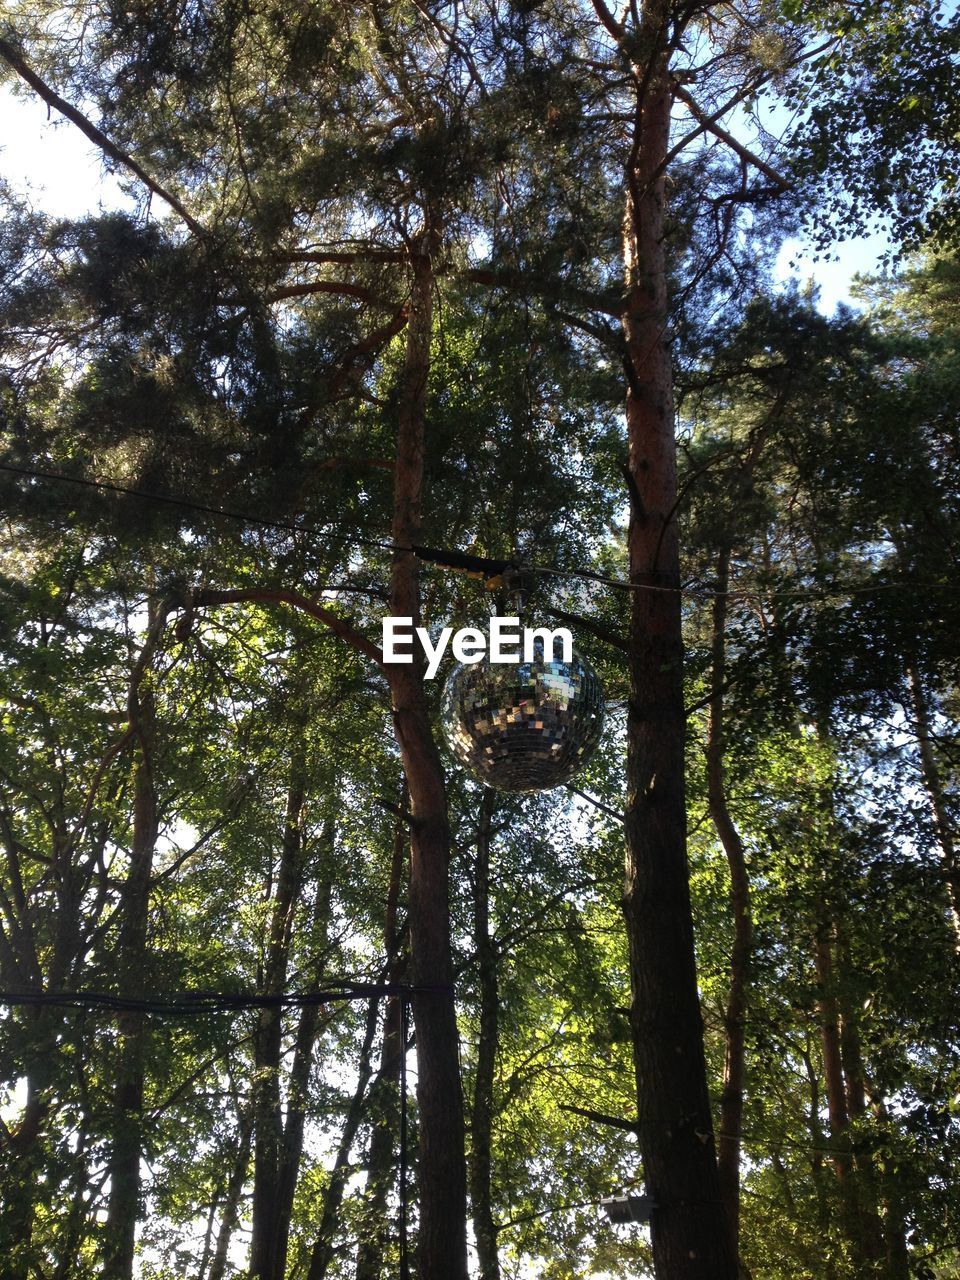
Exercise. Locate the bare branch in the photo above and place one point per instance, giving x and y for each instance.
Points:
(517, 280)
(709, 123)
(600, 1117)
(281, 595)
(100, 139)
(343, 256)
(615, 28)
(342, 288)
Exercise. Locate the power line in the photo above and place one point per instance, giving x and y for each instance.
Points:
(199, 1002)
(187, 504)
(479, 566)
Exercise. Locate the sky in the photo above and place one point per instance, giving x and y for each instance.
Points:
(47, 157)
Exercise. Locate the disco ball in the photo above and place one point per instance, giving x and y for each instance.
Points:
(523, 727)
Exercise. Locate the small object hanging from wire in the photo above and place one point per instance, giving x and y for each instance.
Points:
(527, 726)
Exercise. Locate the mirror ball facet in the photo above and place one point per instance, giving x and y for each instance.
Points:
(523, 727)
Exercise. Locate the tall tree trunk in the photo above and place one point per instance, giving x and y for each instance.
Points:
(231, 1201)
(381, 1164)
(830, 1042)
(442, 1240)
(322, 1253)
(127, 1139)
(860, 1221)
(23, 1157)
(691, 1237)
(291, 1149)
(871, 1227)
(734, 1021)
(484, 1226)
(933, 785)
(818, 1141)
(897, 1253)
(268, 1119)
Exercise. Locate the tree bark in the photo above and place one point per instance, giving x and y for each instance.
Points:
(734, 1020)
(322, 1254)
(308, 1027)
(484, 1225)
(830, 1043)
(442, 1239)
(268, 1118)
(381, 1164)
(860, 1220)
(231, 1203)
(871, 1226)
(934, 789)
(127, 1139)
(691, 1238)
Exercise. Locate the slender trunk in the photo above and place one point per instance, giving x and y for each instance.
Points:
(24, 1150)
(127, 1141)
(442, 1243)
(22, 1165)
(231, 1201)
(896, 1250)
(818, 1140)
(934, 788)
(691, 1237)
(734, 1067)
(322, 1254)
(830, 1042)
(484, 1226)
(385, 1106)
(268, 1118)
(70, 1245)
(867, 1194)
(850, 1183)
(291, 1149)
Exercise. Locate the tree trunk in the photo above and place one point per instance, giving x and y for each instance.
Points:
(830, 1042)
(484, 1226)
(934, 789)
(231, 1202)
(896, 1250)
(861, 1223)
(691, 1238)
(322, 1254)
(127, 1140)
(268, 1119)
(291, 1149)
(385, 1109)
(442, 1240)
(870, 1224)
(23, 1162)
(734, 1021)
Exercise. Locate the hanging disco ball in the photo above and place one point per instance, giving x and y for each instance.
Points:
(523, 727)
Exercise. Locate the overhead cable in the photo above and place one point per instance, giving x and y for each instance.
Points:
(489, 569)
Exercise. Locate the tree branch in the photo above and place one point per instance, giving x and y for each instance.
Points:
(518, 281)
(100, 139)
(615, 28)
(595, 628)
(600, 1117)
(367, 347)
(342, 288)
(281, 595)
(709, 123)
(343, 256)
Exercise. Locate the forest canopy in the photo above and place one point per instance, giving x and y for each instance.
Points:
(410, 300)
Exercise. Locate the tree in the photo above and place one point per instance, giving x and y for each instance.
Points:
(272, 346)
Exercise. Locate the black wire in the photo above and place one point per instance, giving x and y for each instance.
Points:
(198, 1002)
(382, 544)
(188, 505)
